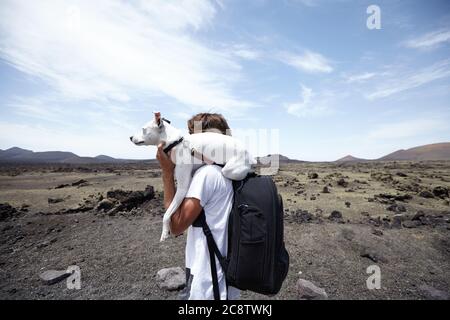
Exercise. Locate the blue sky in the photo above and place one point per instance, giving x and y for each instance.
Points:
(83, 76)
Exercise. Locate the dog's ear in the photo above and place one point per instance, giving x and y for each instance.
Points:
(158, 118)
(159, 121)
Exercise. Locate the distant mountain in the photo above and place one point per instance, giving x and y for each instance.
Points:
(350, 158)
(27, 156)
(436, 151)
(105, 158)
(50, 156)
(14, 153)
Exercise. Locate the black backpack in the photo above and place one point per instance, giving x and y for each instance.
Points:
(257, 259)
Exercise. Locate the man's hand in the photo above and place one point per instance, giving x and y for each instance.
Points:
(167, 166)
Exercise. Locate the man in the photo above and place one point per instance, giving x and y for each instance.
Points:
(209, 191)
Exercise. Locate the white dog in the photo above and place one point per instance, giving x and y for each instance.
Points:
(190, 152)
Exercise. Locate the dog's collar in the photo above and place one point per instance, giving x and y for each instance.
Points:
(173, 145)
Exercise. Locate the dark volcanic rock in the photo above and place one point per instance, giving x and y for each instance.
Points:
(54, 200)
(136, 198)
(403, 197)
(441, 192)
(118, 194)
(426, 194)
(6, 211)
(81, 208)
(418, 216)
(383, 177)
(325, 190)
(401, 174)
(397, 220)
(420, 219)
(396, 208)
(105, 204)
(79, 182)
(372, 255)
(303, 216)
(377, 232)
(390, 197)
(411, 224)
(62, 186)
(375, 221)
(131, 199)
(313, 175)
(335, 216)
(342, 183)
(409, 187)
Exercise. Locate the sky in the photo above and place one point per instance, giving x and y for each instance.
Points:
(305, 78)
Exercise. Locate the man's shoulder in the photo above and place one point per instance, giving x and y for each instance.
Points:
(210, 174)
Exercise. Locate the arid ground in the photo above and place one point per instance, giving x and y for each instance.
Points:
(339, 220)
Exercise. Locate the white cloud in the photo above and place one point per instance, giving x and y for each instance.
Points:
(40, 109)
(415, 79)
(245, 52)
(407, 129)
(182, 115)
(111, 50)
(306, 95)
(62, 114)
(310, 104)
(429, 40)
(183, 13)
(309, 61)
(360, 77)
(308, 3)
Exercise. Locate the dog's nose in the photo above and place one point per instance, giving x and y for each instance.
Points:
(131, 138)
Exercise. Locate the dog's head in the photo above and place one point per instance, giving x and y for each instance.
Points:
(152, 133)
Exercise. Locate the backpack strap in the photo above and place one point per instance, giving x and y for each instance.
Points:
(213, 252)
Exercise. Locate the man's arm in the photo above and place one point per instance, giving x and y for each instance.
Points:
(189, 209)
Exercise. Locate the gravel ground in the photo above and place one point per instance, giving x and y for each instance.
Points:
(119, 254)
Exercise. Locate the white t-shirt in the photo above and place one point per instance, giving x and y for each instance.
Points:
(215, 193)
